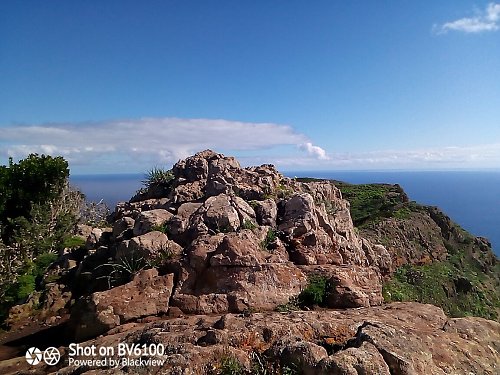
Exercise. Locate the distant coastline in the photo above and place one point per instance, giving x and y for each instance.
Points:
(470, 198)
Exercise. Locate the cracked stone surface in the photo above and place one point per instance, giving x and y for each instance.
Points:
(396, 339)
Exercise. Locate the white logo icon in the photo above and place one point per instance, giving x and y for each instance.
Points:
(51, 356)
(33, 356)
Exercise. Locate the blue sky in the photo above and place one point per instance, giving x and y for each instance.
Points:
(120, 86)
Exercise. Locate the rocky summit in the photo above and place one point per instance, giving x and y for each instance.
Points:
(244, 271)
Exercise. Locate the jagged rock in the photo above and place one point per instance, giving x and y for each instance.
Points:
(220, 215)
(355, 286)
(239, 249)
(147, 294)
(298, 217)
(266, 212)
(54, 299)
(187, 192)
(201, 249)
(98, 237)
(152, 245)
(147, 220)
(353, 361)
(245, 240)
(298, 351)
(123, 228)
(212, 303)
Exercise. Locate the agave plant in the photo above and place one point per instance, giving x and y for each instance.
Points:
(157, 176)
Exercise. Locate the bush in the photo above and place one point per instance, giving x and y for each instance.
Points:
(248, 224)
(38, 211)
(315, 292)
(270, 239)
(158, 177)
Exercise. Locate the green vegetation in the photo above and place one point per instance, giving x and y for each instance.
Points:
(315, 292)
(74, 242)
(270, 240)
(248, 224)
(123, 270)
(225, 363)
(161, 228)
(371, 202)
(26, 281)
(158, 177)
(458, 285)
(38, 211)
(229, 365)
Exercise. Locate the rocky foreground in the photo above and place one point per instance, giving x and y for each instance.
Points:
(219, 264)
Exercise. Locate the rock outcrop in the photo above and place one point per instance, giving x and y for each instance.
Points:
(247, 239)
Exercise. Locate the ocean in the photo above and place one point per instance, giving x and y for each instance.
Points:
(472, 199)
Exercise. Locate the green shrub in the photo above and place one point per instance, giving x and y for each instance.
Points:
(158, 177)
(248, 224)
(74, 242)
(42, 262)
(229, 365)
(161, 228)
(315, 292)
(25, 286)
(270, 239)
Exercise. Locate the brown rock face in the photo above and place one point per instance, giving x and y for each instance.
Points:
(147, 294)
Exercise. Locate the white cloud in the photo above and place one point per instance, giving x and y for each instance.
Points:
(472, 157)
(315, 151)
(136, 144)
(487, 20)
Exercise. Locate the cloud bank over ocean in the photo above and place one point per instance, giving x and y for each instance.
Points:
(134, 145)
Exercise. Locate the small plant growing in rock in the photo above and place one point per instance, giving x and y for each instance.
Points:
(315, 292)
(226, 364)
(123, 270)
(248, 224)
(163, 255)
(254, 204)
(293, 304)
(270, 239)
(161, 228)
(158, 177)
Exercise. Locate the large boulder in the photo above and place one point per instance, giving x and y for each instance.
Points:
(349, 285)
(150, 246)
(245, 288)
(147, 294)
(123, 228)
(148, 220)
(266, 212)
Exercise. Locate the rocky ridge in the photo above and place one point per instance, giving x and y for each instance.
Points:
(210, 255)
